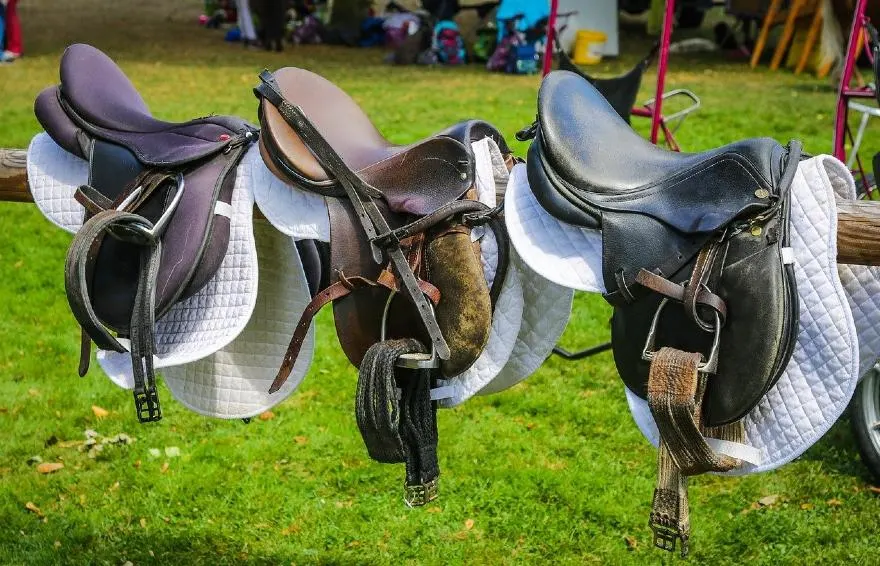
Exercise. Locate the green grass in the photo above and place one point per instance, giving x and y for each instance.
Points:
(551, 471)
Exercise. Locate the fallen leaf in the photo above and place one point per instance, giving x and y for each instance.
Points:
(100, 412)
(164, 467)
(137, 464)
(267, 416)
(631, 542)
(172, 451)
(33, 392)
(768, 500)
(469, 524)
(291, 529)
(33, 508)
(834, 502)
(301, 440)
(806, 506)
(143, 522)
(49, 467)
(34, 460)
(434, 509)
(873, 489)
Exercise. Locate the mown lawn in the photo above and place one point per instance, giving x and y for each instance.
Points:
(551, 471)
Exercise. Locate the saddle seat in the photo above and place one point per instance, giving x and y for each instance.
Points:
(96, 94)
(586, 160)
(415, 178)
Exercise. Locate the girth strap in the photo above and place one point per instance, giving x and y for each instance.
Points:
(400, 429)
(675, 395)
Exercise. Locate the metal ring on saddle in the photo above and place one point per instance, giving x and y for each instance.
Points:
(151, 233)
(708, 366)
(414, 360)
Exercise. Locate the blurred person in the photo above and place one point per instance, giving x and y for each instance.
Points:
(2, 32)
(273, 24)
(246, 22)
(14, 47)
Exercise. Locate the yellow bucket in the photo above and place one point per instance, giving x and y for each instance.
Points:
(586, 47)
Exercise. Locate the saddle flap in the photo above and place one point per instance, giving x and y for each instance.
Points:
(756, 341)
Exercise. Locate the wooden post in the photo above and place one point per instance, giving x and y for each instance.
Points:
(13, 176)
(769, 22)
(858, 221)
(810, 43)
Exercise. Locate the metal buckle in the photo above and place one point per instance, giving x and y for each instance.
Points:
(144, 229)
(421, 494)
(147, 405)
(415, 360)
(666, 534)
(709, 366)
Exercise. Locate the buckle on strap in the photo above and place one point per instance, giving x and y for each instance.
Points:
(666, 533)
(421, 494)
(147, 405)
(711, 363)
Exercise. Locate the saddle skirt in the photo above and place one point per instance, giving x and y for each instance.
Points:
(818, 382)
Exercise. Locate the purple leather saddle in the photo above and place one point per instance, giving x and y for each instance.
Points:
(156, 207)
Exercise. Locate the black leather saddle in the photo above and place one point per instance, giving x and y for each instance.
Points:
(156, 207)
(657, 210)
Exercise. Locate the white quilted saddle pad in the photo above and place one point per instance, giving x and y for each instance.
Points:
(217, 319)
(303, 215)
(819, 381)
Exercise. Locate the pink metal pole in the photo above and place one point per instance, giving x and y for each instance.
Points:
(551, 37)
(842, 94)
(665, 38)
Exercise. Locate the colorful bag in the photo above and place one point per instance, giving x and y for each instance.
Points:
(448, 43)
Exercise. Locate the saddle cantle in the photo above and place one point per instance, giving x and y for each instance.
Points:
(400, 224)
(156, 207)
(695, 261)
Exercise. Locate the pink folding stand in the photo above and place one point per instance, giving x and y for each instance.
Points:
(653, 109)
(846, 96)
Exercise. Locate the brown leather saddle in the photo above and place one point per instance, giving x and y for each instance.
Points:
(400, 226)
(696, 262)
(156, 207)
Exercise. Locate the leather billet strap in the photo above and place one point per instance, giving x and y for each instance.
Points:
(676, 387)
(361, 195)
(338, 290)
(77, 275)
(401, 429)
